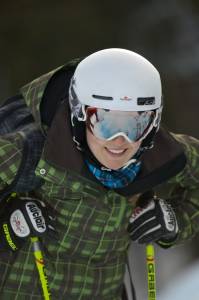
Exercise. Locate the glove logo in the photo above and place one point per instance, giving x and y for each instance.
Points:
(8, 237)
(19, 224)
(36, 217)
(169, 216)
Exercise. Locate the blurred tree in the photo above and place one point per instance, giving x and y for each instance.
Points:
(38, 36)
(166, 32)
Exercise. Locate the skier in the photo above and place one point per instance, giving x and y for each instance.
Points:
(92, 170)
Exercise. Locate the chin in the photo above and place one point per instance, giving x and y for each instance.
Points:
(114, 166)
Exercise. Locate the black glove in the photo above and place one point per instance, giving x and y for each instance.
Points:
(156, 221)
(22, 218)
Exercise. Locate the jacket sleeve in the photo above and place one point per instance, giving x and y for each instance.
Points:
(182, 191)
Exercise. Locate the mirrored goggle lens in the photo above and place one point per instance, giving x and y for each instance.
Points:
(108, 124)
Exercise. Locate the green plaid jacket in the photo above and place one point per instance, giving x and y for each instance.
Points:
(88, 260)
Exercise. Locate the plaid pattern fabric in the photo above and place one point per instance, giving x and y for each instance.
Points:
(10, 157)
(115, 179)
(88, 260)
(182, 191)
(33, 93)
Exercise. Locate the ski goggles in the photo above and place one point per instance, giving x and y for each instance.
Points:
(109, 124)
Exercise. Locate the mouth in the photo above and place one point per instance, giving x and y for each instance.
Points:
(116, 152)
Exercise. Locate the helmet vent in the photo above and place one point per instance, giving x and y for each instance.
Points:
(146, 101)
(102, 97)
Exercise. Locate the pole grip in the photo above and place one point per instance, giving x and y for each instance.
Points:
(150, 261)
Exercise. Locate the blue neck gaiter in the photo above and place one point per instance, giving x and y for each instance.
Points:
(115, 178)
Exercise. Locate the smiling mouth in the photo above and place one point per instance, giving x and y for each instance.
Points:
(116, 152)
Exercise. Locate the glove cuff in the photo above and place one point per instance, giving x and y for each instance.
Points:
(167, 242)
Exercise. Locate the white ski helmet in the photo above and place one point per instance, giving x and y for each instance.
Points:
(115, 79)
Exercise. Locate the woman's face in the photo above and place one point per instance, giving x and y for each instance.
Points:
(112, 154)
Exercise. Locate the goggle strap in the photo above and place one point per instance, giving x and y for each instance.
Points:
(153, 124)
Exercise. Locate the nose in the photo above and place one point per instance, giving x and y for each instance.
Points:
(119, 140)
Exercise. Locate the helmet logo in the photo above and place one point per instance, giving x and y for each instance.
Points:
(99, 97)
(126, 98)
(146, 101)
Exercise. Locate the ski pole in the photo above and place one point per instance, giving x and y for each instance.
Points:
(41, 267)
(150, 260)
